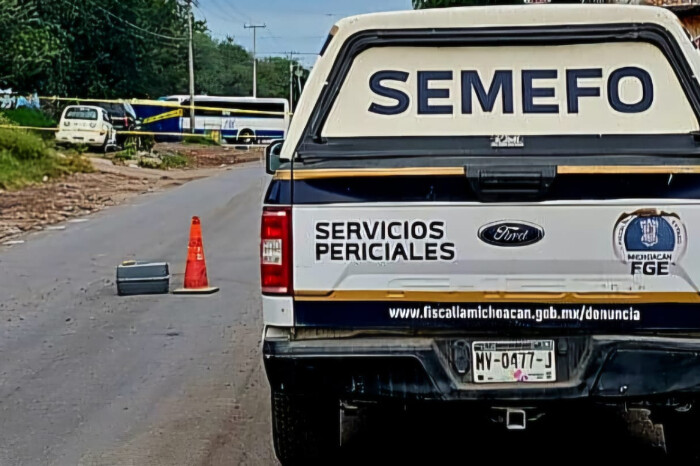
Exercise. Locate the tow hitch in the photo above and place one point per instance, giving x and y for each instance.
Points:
(515, 418)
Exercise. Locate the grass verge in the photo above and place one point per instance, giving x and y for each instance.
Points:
(28, 117)
(26, 158)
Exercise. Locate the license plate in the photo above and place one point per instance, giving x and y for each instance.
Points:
(524, 361)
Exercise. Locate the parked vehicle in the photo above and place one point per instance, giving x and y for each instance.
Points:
(123, 118)
(86, 124)
(122, 115)
(491, 207)
(244, 120)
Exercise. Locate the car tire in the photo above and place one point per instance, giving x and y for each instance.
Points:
(305, 428)
(246, 137)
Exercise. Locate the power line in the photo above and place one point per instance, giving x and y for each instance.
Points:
(204, 16)
(295, 37)
(162, 36)
(231, 14)
(236, 10)
(124, 30)
(287, 53)
(267, 33)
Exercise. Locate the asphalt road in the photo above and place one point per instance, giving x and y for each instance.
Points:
(90, 378)
(87, 377)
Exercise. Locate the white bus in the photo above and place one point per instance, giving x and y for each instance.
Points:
(237, 119)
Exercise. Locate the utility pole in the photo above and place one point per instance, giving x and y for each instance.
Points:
(291, 81)
(255, 27)
(191, 60)
(291, 86)
(299, 72)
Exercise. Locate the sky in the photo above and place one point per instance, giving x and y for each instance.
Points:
(291, 25)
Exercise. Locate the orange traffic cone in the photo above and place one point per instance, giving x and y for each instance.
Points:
(196, 269)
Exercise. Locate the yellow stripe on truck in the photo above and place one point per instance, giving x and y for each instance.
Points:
(321, 173)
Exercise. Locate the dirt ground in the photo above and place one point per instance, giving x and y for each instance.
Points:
(212, 156)
(40, 206)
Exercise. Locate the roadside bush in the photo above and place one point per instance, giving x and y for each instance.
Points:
(29, 117)
(147, 143)
(25, 159)
(203, 141)
(174, 161)
(124, 155)
(6, 121)
(149, 163)
(22, 145)
(74, 164)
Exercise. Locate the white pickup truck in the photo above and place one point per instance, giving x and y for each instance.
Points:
(492, 207)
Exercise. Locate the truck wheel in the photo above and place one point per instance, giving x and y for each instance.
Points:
(305, 429)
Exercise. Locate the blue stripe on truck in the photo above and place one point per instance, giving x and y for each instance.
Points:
(496, 315)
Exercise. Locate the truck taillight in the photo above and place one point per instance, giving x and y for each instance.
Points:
(276, 250)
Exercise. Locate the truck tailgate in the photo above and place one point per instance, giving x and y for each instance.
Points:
(605, 264)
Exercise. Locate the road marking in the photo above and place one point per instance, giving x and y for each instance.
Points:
(12, 242)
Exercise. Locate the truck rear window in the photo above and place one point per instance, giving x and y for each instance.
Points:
(583, 91)
(603, 88)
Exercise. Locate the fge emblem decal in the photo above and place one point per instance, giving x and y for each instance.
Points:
(650, 241)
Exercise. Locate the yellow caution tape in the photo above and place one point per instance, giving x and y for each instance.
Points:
(37, 128)
(86, 130)
(134, 133)
(162, 103)
(163, 116)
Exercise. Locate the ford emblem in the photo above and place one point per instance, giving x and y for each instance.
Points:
(511, 234)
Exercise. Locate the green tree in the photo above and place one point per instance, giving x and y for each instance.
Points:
(124, 49)
(222, 67)
(273, 77)
(226, 68)
(92, 47)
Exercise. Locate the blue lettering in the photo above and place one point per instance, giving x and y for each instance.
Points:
(614, 89)
(573, 91)
(425, 93)
(502, 82)
(402, 100)
(530, 92)
(502, 86)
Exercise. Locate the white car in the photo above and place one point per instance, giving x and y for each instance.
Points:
(83, 124)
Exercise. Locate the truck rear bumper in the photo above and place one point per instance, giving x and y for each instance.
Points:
(608, 368)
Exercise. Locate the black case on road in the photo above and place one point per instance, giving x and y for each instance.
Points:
(140, 277)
